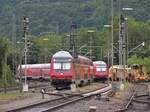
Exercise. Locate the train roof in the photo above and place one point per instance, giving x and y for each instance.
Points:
(136, 65)
(84, 58)
(66, 54)
(99, 62)
(62, 54)
(36, 65)
(119, 66)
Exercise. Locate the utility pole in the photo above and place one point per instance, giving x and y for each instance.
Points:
(57, 28)
(123, 40)
(122, 44)
(91, 32)
(112, 32)
(108, 44)
(14, 42)
(120, 36)
(45, 50)
(91, 46)
(72, 40)
(25, 33)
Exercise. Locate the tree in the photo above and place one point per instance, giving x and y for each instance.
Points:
(4, 68)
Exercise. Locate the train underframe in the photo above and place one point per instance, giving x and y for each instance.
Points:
(101, 78)
(61, 83)
(65, 83)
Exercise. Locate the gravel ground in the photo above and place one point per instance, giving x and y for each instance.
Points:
(37, 97)
(103, 104)
(33, 98)
(136, 107)
(141, 107)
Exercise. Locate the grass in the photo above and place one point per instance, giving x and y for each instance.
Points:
(12, 95)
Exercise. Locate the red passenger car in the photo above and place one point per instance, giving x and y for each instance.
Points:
(100, 70)
(65, 69)
(34, 71)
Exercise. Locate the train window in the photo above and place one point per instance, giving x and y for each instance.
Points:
(57, 65)
(66, 66)
(100, 69)
(62, 66)
(135, 66)
(62, 60)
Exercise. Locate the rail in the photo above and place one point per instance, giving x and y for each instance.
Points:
(62, 101)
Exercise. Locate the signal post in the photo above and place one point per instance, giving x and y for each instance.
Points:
(25, 33)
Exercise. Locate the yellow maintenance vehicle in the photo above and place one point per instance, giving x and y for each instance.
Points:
(138, 73)
(118, 72)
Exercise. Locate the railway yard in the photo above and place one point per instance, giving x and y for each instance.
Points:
(98, 97)
(74, 56)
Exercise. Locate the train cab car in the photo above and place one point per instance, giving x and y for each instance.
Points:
(34, 71)
(100, 70)
(40, 71)
(45, 71)
(20, 73)
(66, 69)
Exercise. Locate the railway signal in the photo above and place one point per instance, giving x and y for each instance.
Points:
(25, 33)
(28, 43)
(121, 39)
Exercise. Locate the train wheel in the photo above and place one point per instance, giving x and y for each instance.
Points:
(89, 82)
(58, 88)
(81, 83)
(118, 79)
(110, 78)
(41, 79)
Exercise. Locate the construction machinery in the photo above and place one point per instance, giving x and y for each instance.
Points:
(138, 73)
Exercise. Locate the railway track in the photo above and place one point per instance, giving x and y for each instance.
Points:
(62, 101)
(139, 100)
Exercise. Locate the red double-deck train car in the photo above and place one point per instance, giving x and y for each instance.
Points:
(100, 70)
(65, 70)
(34, 71)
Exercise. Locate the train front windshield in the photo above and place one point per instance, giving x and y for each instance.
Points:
(62, 65)
(101, 68)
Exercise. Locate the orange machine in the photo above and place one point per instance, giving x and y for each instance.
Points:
(138, 73)
(118, 72)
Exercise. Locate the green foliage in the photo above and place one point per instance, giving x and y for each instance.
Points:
(5, 72)
(3, 51)
(135, 60)
(56, 16)
(51, 43)
(7, 78)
